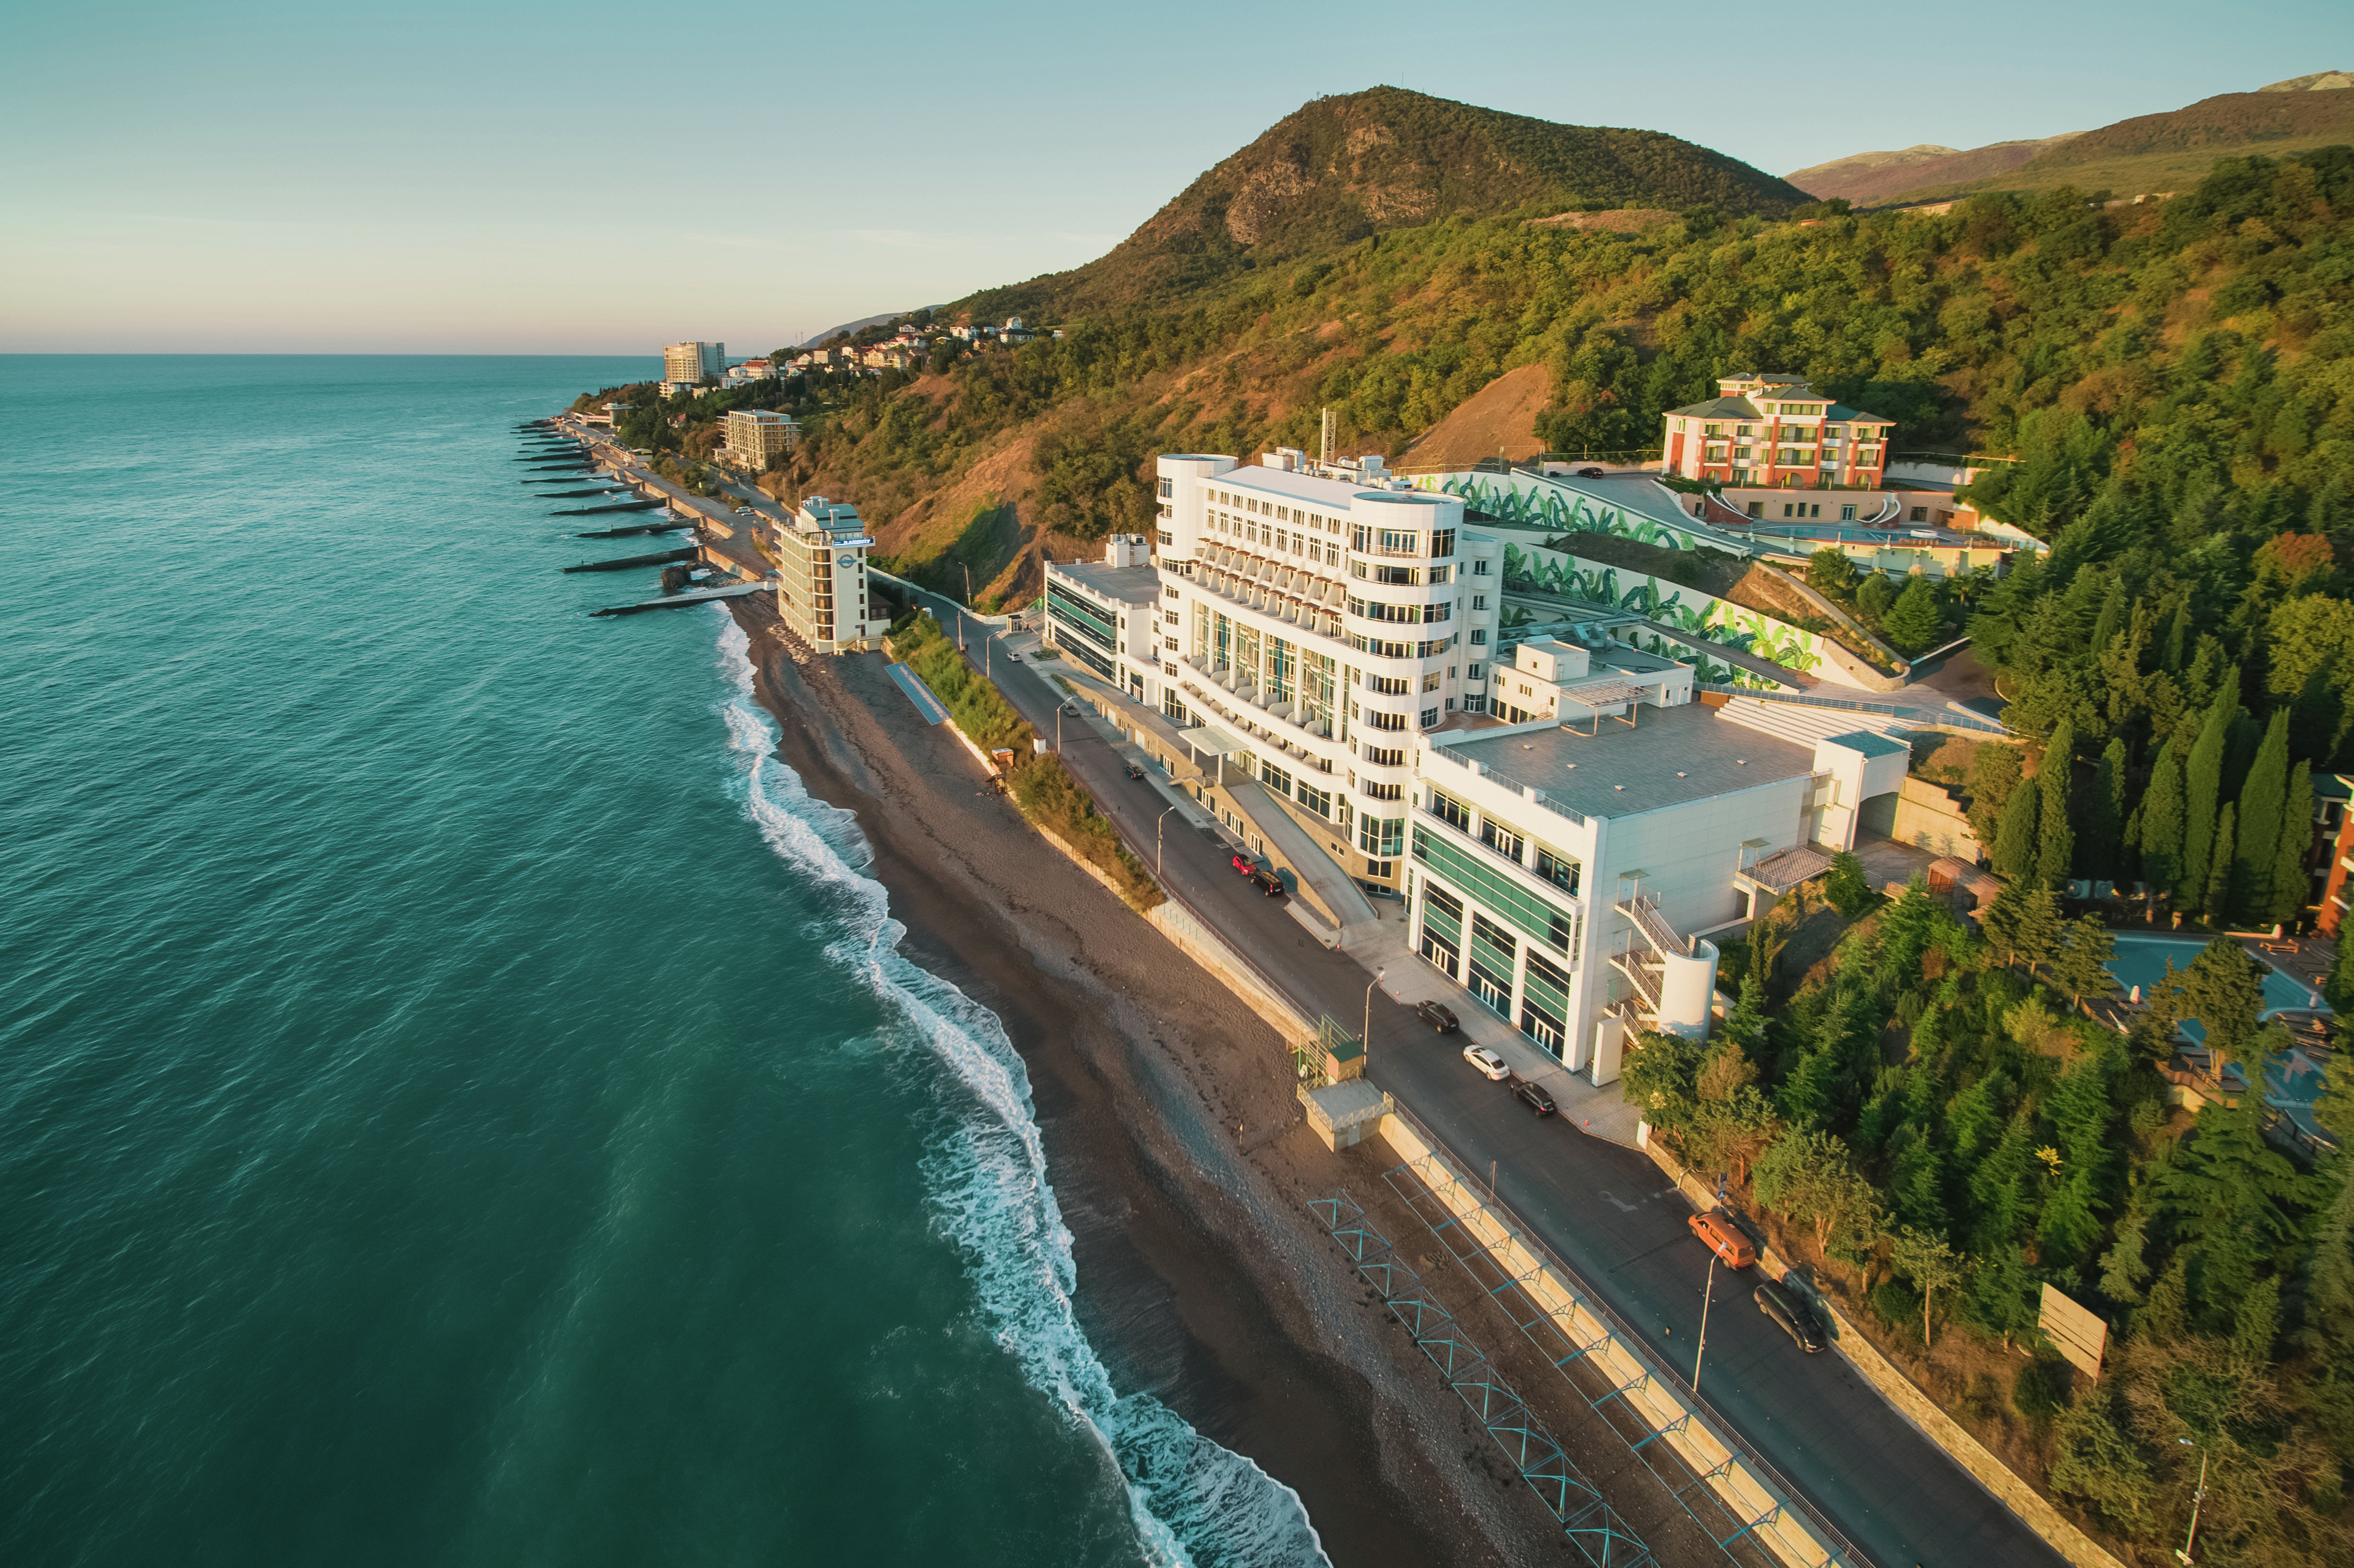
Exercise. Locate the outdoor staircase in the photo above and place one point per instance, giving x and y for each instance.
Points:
(1652, 939)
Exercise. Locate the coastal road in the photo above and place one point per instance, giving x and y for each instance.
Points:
(1603, 1209)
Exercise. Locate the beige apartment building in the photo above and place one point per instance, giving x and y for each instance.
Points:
(755, 434)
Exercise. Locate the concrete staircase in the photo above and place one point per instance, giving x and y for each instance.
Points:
(1804, 725)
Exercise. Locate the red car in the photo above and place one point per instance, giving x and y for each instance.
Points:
(1244, 864)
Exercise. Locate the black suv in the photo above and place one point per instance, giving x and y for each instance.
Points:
(1438, 1015)
(1533, 1097)
(1784, 1305)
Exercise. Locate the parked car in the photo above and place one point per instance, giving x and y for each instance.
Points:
(1487, 1061)
(1533, 1096)
(1589, 473)
(1724, 1238)
(1071, 708)
(1268, 883)
(1243, 863)
(1782, 1305)
(1438, 1015)
(1136, 771)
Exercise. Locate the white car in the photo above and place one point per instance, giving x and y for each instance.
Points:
(1487, 1061)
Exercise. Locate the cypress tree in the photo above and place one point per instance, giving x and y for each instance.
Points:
(2290, 881)
(2161, 824)
(2129, 851)
(2202, 785)
(2216, 906)
(2112, 616)
(2055, 851)
(2260, 823)
(2105, 814)
(2177, 639)
(2014, 842)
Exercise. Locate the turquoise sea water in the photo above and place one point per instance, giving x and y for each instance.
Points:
(460, 1100)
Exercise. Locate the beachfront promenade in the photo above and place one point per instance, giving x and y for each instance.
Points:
(1604, 1208)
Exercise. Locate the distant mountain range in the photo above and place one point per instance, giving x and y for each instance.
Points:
(1340, 169)
(2149, 152)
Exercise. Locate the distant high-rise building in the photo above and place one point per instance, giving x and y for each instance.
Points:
(694, 361)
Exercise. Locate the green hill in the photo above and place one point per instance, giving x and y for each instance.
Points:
(2171, 151)
(1340, 169)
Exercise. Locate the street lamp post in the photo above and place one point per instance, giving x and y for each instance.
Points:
(2196, 1497)
(1706, 1295)
(1369, 1005)
(1158, 849)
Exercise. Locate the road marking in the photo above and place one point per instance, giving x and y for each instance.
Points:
(1622, 1208)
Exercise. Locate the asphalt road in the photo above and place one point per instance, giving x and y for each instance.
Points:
(1603, 1209)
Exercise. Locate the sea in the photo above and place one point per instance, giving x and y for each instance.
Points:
(462, 1100)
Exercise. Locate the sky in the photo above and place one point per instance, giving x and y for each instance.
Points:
(601, 179)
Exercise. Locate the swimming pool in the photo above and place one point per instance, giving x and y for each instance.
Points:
(2141, 961)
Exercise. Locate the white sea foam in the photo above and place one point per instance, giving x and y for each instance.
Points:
(1193, 1501)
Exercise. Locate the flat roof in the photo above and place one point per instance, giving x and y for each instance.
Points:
(1130, 585)
(1339, 494)
(1672, 757)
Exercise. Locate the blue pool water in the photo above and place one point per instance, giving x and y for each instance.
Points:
(2142, 960)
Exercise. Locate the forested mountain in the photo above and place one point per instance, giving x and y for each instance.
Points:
(1867, 179)
(1342, 168)
(2170, 152)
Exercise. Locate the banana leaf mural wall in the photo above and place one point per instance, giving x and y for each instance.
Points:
(1702, 619)
(1536, 502)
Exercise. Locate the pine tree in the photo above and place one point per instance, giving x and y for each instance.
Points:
(2202, 787)
(2082, 970)
(2257, 842)
(2055, 849)
(2014, 842)
(2129, 851)
(2291, 883)
(1913, 621)
(2161, 824)
(2215, 906)
(2105, 815)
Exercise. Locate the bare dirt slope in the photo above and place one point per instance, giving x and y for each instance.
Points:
(1498, 420)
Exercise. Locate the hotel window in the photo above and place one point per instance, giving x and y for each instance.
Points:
(1502, 838)
(1558, 869)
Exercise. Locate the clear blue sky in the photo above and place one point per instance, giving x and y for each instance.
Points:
(437, 177)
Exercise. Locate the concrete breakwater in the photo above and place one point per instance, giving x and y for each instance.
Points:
(662, 558)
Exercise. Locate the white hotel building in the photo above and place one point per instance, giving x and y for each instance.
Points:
(1310, 653)
(1301, 625)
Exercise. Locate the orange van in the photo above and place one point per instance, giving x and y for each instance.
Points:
(1724, 1238)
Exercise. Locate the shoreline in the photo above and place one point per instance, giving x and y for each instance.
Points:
(1203, 1279)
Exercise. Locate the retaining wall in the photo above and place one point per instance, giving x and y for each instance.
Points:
(1900, 1391)
(1746, 1493)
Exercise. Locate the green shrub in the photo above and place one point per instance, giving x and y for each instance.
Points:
(2040, 1391)
(1898, 1306)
